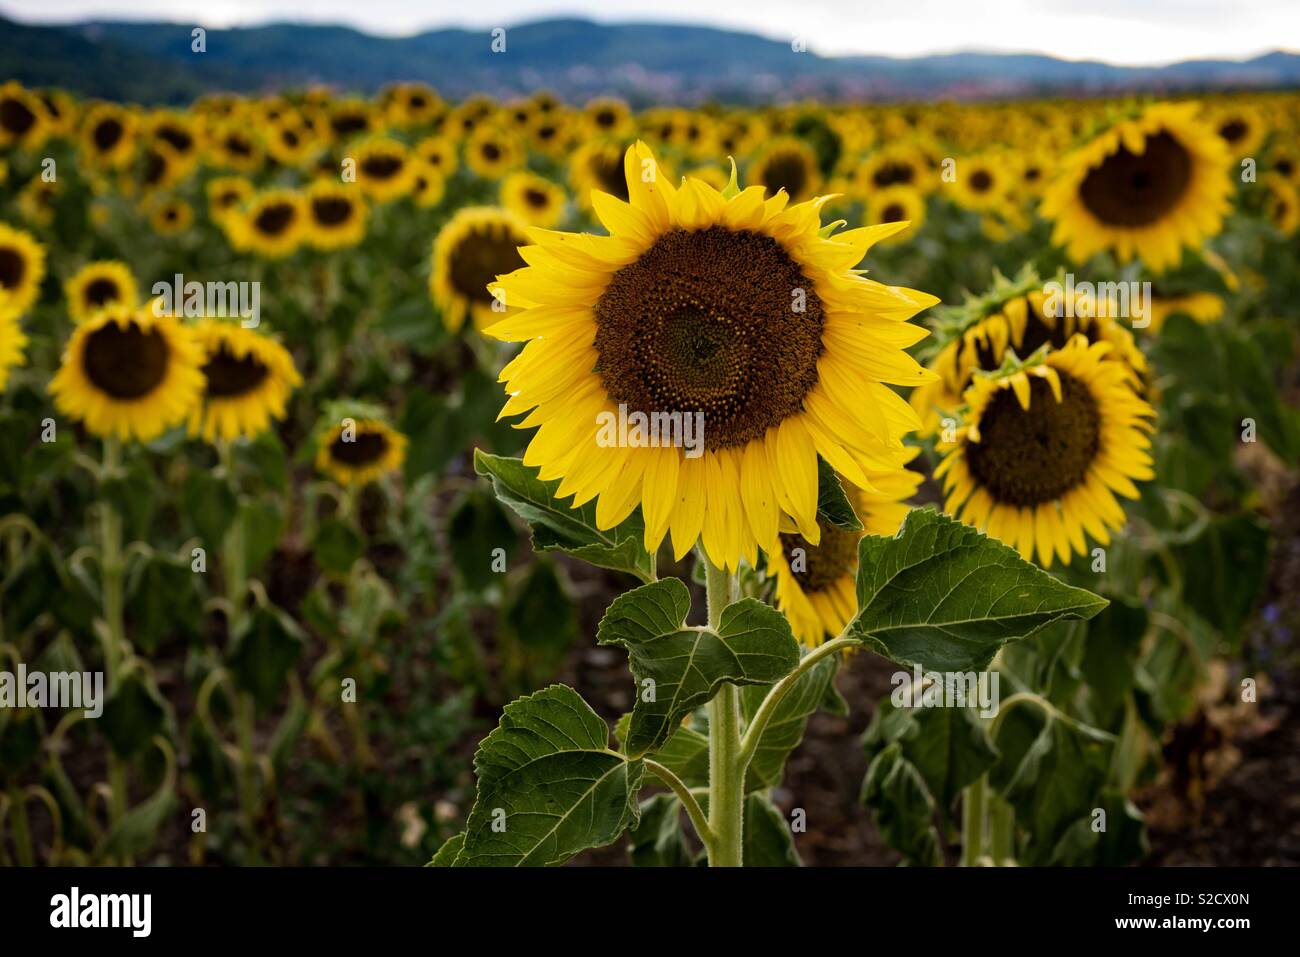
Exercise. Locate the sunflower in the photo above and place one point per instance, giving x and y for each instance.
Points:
(156, 168)
(1045, 449)
(983, 182)
(439, 152)
(789, 164)
(358, 451)
(129, 373)
(349, 119)
(816, 584)
(1202, 307)
(898, 164)
(248, 377)
(607, 116)
(477, 244)
(492, 152)
(1241, 128)
(22, 267)
(98, 285)
(290, 142)
(534, 199)
(230, 145)
(178, 131)
(274, 224)
(171, 217)
(225, 196)
(897, 204)
(36, 200)
(61, 111)
(1284, 160)
(24, 122)
(384, 169)
(108, 136)
(1282, 204)
(551, 134)
(428, 186)
(598, 165)
(12, 341)
(414, 104)
(336, 215)
(726, 307)
(1146, 187)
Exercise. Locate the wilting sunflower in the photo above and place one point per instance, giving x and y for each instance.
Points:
(248, 378)
(1046, 448)
(428, 186)
(731, 310)
(108, 135)
(129, 373)
(816, 584)
(897, 204)
(358, 451)
(534, 199)
(98, 285)
(274, 224)
(12, 341)
(336, 215)
(22, 267)
(789, 164)
(491, 152)
(384, 169)
(24, 122)
(170, 217)
(1146, 187)
(478, 244)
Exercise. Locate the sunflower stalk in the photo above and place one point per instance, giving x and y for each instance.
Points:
(111, 573)
(726, 773)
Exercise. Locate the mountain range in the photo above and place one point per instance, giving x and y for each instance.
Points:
(646, 63)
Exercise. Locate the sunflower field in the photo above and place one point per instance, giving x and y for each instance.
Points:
(502, 483)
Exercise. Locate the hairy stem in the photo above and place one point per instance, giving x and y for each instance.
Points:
(693, 810)
(726, 776)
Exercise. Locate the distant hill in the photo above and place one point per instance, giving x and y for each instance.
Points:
(153, 62)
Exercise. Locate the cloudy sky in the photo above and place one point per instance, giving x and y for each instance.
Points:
(1118, 31)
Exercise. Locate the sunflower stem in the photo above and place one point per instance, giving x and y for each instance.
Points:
(973, 805)
(726, 775)
(111, 569)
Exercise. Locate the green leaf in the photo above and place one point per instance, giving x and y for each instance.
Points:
(658, 840)
(337, 545)
(266, 647)
(768, 840)
(895, 790)
(263, 522)
(539, 614)
(558, 527)
(1224, 569)
(548, 785)
(446, 854)
(1110, 657)
(210, 503)
(678, 668)
(478, 528)
(785, 729)
(133, 714)
(164, 600)
(944, 596)
(832, 503)
(442, 433)
(686, 753)
(138, 829)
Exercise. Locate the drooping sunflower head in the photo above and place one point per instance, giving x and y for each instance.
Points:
(478, 244)
(357, 450)
(1144, 188)
(336, 215)
(534, 199)
(1046, 448)
(247, 377)
(24, 121)
(816, 584)
(22, 267)
(99, 285)
(384, 169)
(897, 204)
(274, 223)
(787, 164)
(730, 317)
(129, 373)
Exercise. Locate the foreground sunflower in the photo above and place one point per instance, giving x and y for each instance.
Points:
(98, 285)
(1144, 188)
(248, 378)
(129, 374)
(816, 585)
(359, 451)
(732, 310)
(477, 245)
(1046, 447)
(22, 267)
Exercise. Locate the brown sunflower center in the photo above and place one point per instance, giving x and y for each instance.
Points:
(331, 210)
(608, 169)
(1137, 189)
(891, 173)
(106, 134)
(536, 198)
(605, 119)
(479, 258)
(788, 171)
(177, 138)
(1233, 130)
(981, 181)
(893, 213)
(125, 363)
(819, 566)
(1030, 456)
(16, 116)
(230, 375)
(365, 448)
(12, 267)
(274, 219)
(100, 291)
(238, 146)
(345, 124)
(712, 321)
(490, 152)
(382, 166)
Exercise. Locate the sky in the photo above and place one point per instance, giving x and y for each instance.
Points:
(1116, 31)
